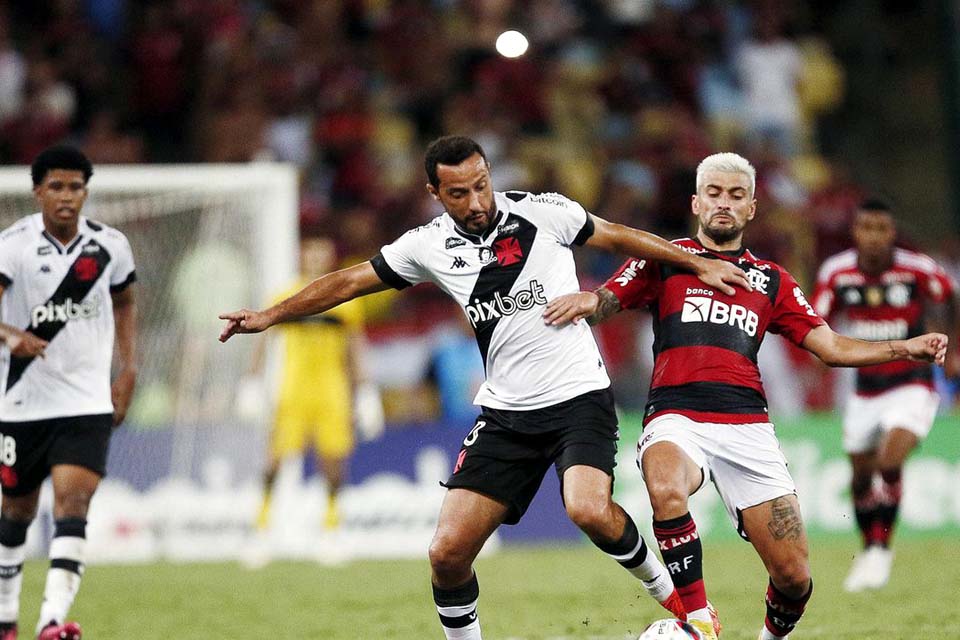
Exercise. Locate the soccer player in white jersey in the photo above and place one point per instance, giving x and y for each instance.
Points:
(67, 297)
(546, 399)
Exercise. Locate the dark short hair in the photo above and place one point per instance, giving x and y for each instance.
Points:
(874, 203)
(60, 157)
(449, 150)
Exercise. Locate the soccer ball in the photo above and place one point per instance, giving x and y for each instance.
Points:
(670, 629)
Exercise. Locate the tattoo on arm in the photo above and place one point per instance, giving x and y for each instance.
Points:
(785, 522)
(609, 305)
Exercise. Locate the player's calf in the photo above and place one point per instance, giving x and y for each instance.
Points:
(631, 552)
(13, 535)
(783, 612)
(67, 553)
(457, 609)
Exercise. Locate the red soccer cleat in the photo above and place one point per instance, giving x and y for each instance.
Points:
(673, 604)
(65, 631)
(9, 632)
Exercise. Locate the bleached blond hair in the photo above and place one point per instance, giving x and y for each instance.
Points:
(727, 163)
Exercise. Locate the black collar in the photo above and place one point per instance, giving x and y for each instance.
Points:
(733, 253)
(61, 249)
(479, 239)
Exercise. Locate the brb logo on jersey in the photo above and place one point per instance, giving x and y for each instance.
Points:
(65, 312)
(500, 306)
(698, 307)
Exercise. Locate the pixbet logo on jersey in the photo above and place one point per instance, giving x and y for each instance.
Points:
(699, 308)
(499, 306)
(69, 310)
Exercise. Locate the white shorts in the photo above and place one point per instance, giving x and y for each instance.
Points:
(743, 460)
(866, 418)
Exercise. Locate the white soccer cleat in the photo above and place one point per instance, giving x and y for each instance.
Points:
(878, 572)
(870, 570)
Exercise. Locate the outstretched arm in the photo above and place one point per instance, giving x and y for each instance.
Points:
(596, 306)
(842, 351)
(619, 238)
(323, 293)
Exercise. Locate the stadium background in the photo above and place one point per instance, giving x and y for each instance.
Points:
(614, 104)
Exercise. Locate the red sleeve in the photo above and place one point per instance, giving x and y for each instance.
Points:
(793, 317)
(937, 286)
(636, 283)
(824, 297)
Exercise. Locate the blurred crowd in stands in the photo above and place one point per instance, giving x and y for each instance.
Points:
(614, 105)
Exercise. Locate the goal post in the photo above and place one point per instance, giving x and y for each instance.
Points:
(205, 239)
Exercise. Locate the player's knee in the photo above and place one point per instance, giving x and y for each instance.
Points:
(891, 473)
(448, 558)
(792, 576)
(591, 516)
(860, 486)
(667, 498)
(72, 504)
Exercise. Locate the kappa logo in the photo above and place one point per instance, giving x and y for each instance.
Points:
(459, 263)
(508, 251)
(45, 268)
(453, 243)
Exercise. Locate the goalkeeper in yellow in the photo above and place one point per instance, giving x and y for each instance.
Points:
(320, 356)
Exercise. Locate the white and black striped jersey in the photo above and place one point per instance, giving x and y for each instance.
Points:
(61, 293)
(503, 281)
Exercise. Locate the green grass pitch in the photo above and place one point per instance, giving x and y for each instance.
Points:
(526, 594)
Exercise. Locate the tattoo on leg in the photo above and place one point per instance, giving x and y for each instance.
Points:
(785, 522)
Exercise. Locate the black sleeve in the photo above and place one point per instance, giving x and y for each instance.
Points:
(5, 280)
(387, 274)
(585, 232)
(117, 288)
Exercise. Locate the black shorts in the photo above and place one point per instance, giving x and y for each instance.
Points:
(507, 453)
(28, 450)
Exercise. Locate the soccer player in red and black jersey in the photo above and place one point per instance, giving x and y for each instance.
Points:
(885, 292)
(707, 415)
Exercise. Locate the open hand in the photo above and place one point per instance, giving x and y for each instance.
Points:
(723, 275)
(572, 307)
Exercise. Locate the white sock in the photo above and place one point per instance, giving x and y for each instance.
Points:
(766, 635)
(11, 577)
(469, 632)
(703, 615)
(651, 572)
(63, 579)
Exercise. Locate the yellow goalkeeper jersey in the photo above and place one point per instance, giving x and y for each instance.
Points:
(315, 369)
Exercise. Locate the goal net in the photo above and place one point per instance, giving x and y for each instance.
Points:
(206, 239)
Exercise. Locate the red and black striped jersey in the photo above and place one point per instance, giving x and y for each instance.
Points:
(888, 306)
(706, 342)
